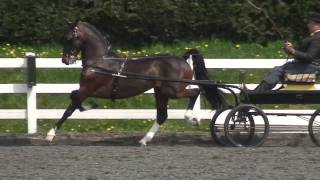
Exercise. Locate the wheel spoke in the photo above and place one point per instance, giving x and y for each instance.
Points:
(240, 126)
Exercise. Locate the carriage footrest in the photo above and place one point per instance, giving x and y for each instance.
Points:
(299, 87)
(282, 97)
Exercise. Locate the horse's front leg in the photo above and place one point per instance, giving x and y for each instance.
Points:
(68, 112)
(76, 99)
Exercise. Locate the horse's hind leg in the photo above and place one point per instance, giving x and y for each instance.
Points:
(75, 104)
(162, 115)
(189, 115)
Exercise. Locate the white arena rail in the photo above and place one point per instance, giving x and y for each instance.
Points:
(32, 113)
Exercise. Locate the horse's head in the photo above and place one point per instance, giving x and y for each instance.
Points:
(82, 36)
(73, 40)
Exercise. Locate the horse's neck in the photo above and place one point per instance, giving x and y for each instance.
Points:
(111, 53)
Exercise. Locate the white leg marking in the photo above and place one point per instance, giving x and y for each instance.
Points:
(148, 137)
(51, 134)
(191, 117)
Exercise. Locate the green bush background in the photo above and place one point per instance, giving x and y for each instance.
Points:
(139, 22)
(170, 25)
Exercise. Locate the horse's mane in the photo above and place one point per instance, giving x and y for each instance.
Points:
(96, 32)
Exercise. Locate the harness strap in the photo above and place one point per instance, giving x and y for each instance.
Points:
(115, 84)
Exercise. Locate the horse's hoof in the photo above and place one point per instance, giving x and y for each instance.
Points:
(143, 143)
(194, 122)
(49, 138)
(197, 122)
(51, 134)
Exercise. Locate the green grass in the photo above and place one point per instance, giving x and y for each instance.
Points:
(209, 48)
(111, 126)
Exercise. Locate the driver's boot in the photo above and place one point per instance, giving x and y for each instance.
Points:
(263, 87)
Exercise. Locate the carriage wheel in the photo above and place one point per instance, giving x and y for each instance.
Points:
(217, 128)
(314, 127)
(246, 125)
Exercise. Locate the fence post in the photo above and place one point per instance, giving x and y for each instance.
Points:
(30, 60)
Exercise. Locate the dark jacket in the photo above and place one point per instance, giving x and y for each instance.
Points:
(309, 50)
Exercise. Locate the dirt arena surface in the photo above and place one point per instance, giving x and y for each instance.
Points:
(169, 156)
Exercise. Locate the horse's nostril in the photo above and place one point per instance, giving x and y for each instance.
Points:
(64, 60)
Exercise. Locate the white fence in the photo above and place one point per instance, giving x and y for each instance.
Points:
(32, 113)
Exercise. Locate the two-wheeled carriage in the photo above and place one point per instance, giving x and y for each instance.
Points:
(245, 124)
(105, 74)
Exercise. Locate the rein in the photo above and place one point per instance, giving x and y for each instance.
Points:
(107, 72)
(126, 75)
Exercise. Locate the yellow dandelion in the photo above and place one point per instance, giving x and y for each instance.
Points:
(206, 45)
(237, 46)
(109, 129)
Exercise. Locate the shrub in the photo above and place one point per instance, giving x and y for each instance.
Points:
(132, 23)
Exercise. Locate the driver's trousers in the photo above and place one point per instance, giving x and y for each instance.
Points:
(276, 75)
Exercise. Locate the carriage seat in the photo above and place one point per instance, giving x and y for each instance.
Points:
(300, 81)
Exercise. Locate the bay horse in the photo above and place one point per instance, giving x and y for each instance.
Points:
(97, 55)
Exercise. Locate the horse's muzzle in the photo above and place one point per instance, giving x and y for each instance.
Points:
(69, 59)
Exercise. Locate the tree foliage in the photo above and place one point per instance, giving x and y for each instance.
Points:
(136, 22)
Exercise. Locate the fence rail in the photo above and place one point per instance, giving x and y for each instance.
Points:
(32, 113)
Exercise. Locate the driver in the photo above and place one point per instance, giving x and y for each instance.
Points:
(306, 57)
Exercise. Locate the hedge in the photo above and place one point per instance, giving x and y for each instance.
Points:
(139, 22)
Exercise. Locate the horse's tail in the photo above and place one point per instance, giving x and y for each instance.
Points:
(214, 95)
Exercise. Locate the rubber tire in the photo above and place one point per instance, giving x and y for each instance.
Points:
(252, 124)
(220, 141)
(310, 128)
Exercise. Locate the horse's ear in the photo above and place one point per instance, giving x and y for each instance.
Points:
(71, 23)
(68, 21)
